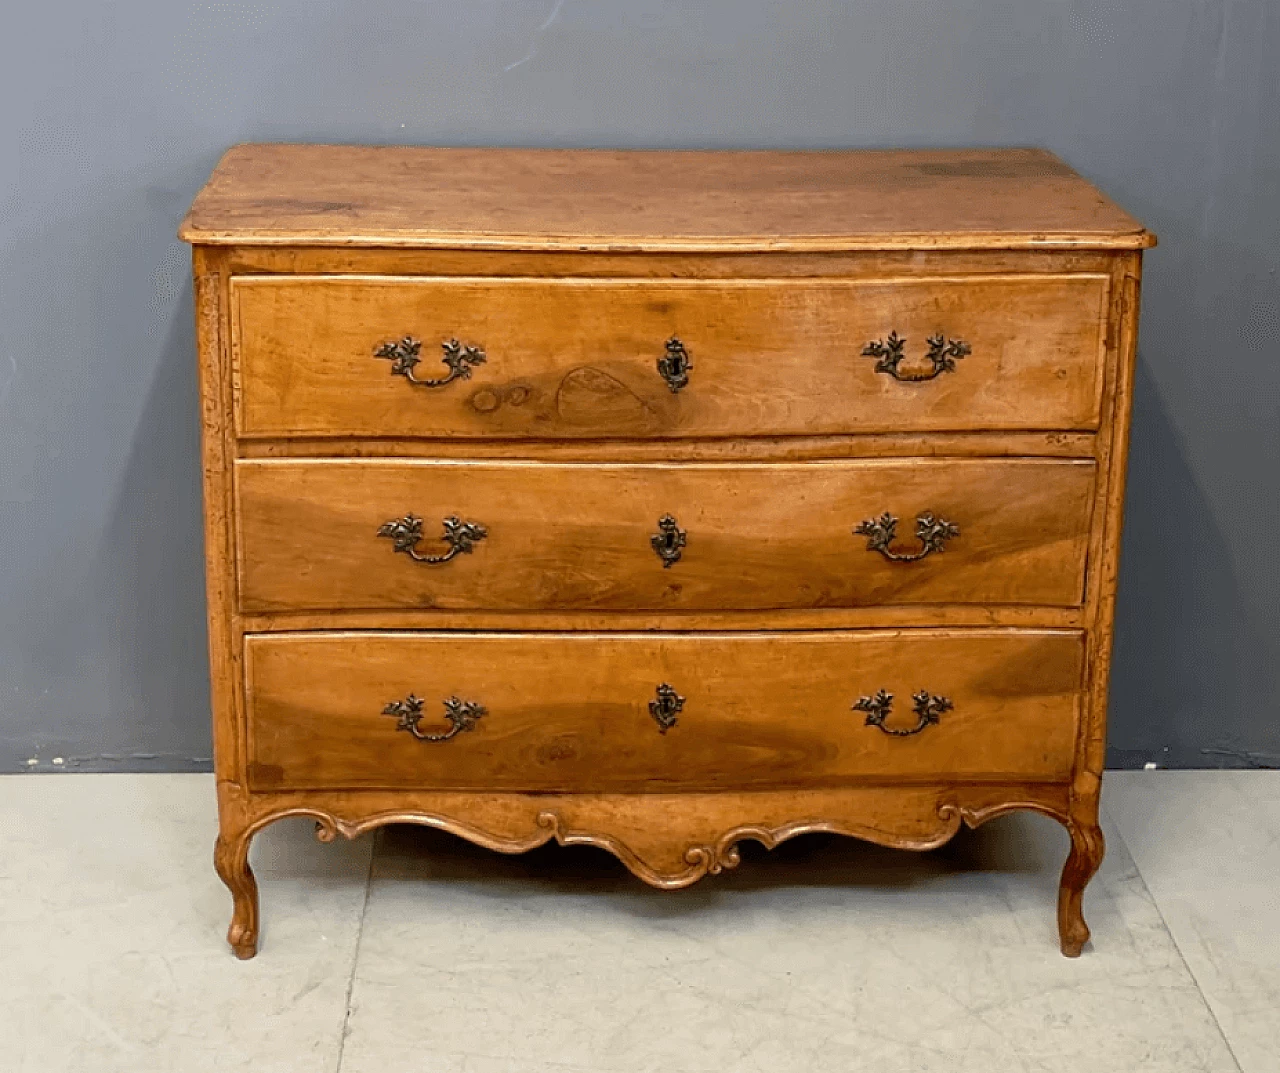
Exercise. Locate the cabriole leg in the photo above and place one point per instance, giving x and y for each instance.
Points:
(1087, 848)
(231, 859)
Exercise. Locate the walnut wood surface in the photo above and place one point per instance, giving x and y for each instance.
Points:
(570, 711)
(720, 449)
(874, 616)
(760, 535)
(593, 199)
(578, 358)
(668, 840)
(881, 228)
(272, 260)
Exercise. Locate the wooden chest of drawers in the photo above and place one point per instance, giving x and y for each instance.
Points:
(657, 501)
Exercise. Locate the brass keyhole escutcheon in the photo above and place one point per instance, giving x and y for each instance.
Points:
(665, 706)
(669, 541)
(675, 364)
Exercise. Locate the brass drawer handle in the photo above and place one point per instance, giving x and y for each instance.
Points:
(674, 366)
(942, 356)
(461, 714)
(405, 353)
(405, 533)
(669, 541)
(927, 706)
(665, 707)
(932, 533)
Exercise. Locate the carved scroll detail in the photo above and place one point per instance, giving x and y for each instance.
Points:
(699, 858)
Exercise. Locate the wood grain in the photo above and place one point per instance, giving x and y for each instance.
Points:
(673, 840)
(722, 449)
(570, 711)
(758, 536)
(1088, 843)
(576, 266)
(578, 358)
(873, 616)
(606, 200)
(657, 265)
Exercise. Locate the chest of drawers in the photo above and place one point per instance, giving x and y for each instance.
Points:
(658, 501)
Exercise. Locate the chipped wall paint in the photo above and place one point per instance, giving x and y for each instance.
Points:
(116, 762)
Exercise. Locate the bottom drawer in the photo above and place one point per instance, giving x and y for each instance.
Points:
(659, 712)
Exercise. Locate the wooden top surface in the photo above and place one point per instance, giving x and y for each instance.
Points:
(588, 199)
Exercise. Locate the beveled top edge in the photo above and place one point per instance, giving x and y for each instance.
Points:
(654, 200)
(923, 241)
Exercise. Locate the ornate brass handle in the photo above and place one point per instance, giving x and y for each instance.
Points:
(405, 533)
(405, 353)
(665, 707)
(927, 706)
(942, 356)
(461, 715)
(932, 533)
(674, 366)
(669, 541)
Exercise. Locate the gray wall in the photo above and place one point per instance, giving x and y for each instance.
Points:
(113, 114)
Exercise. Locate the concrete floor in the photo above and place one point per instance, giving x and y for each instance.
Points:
(415, 951)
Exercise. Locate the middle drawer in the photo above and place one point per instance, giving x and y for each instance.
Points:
(526, 536)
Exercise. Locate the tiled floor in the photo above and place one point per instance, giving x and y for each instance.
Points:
(418, 952)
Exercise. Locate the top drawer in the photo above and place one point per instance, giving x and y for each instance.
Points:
(651, 358)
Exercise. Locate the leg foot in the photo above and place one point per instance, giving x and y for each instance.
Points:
(1087, 848)
(231, 859)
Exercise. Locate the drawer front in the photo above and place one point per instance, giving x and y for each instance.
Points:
(590, 358)
(372, 534)
(590, 712)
